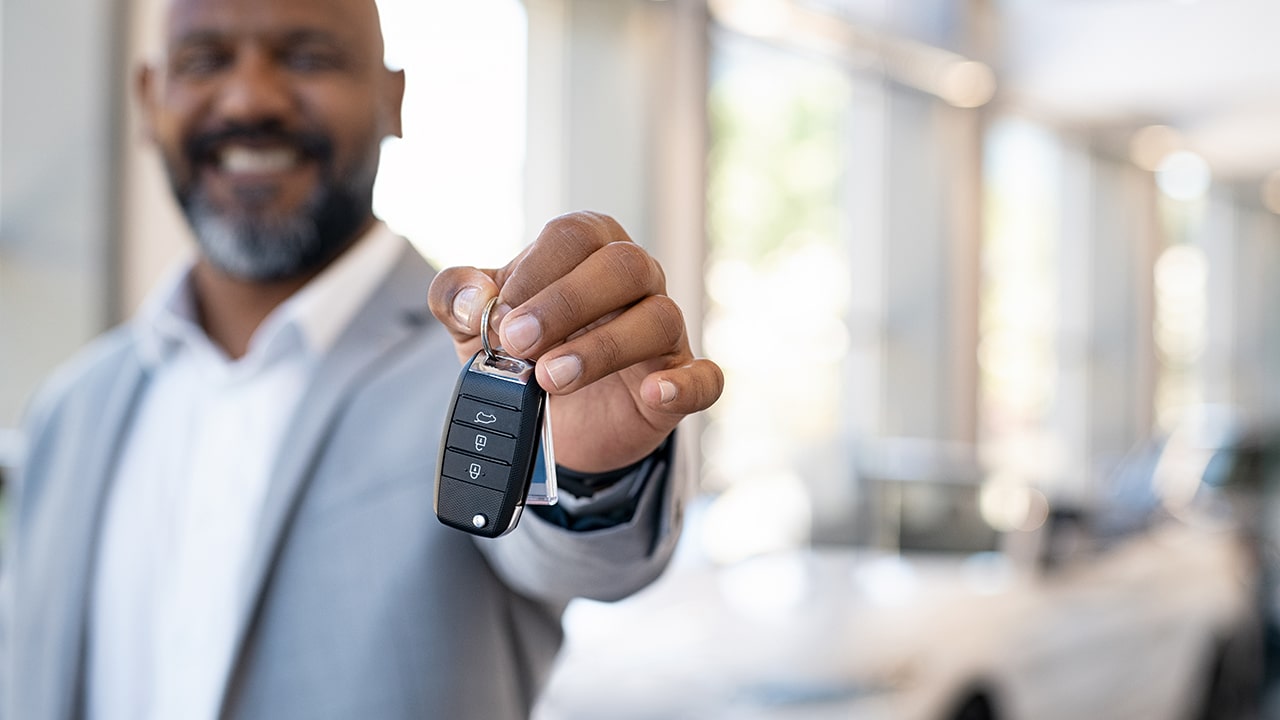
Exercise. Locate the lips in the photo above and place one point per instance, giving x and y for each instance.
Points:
(243, 169)
(247, 179)
(254, 149)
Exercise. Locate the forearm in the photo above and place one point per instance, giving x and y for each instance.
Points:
(556, 559)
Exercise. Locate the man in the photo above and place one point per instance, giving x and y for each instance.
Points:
(225, 509)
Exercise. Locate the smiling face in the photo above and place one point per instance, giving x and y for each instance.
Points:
(269, 115)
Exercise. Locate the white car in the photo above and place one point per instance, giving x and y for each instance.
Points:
(1156, 623)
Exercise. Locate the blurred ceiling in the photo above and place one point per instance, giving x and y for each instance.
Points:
(1209, 68)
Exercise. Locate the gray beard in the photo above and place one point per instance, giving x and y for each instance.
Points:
(260, 248)
(264, 246)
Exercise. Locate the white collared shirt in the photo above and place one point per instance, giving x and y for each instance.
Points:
(181, 518)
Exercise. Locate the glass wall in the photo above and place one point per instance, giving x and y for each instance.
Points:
(842, 277)
(779, 284)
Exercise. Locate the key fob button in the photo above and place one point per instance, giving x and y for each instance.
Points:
(482, 442)
(487, 416)
(471, 469)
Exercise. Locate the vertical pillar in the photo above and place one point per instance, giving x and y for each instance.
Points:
(617, 124)
(1106, 359)
(864, 225)
(1256, 390)
(1122, 372)
(1075, 253)
(1266, 358)
(930, 269)
(962, 142)
(1218, 239)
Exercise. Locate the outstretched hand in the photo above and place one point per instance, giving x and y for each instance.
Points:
(590, 307)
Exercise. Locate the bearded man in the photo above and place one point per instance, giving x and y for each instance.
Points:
(225, 510)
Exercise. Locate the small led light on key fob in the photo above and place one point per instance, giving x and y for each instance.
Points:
(496, 425)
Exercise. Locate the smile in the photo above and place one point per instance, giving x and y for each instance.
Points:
(242, 160)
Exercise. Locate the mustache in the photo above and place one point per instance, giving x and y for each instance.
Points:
(203, 146)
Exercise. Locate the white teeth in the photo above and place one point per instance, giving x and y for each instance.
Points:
(238, 159)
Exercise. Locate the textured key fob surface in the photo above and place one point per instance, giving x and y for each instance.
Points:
(489, 446)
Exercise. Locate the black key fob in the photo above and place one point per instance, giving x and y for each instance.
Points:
(496, 424)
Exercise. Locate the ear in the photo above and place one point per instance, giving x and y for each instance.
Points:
(144, 90)
(393, 101)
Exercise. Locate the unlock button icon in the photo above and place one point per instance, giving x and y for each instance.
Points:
(488, 445)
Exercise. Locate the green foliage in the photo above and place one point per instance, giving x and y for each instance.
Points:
(777, 157)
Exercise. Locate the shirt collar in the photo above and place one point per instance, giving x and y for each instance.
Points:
(317, 314)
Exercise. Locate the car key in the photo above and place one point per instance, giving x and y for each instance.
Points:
(497, 423)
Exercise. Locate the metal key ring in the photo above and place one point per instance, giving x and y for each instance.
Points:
(484, 329)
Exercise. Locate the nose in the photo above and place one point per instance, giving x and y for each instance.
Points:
(254, 91)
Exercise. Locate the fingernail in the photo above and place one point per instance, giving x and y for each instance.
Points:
(668, 390)
(464, 305)
(564, 370)
(522, 333)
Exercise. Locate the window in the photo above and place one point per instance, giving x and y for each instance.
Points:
(779, 289)
(454, 184)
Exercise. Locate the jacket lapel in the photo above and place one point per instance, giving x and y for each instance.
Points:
(388, 319)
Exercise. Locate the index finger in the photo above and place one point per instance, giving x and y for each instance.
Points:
(562, 245)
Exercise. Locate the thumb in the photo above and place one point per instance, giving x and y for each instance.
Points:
(457, 298)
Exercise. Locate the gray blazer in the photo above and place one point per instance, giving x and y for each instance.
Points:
(359, 603)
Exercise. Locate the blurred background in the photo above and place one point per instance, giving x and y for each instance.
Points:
(989, 281)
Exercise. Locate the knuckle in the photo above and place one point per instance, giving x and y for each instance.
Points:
(611, 228)
(586, 229)
(668, 320)
(608, 349)
(567, 304)
(714, 385)
(630, 261)
(580, 231)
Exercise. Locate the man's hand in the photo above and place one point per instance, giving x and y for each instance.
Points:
(589, 306)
